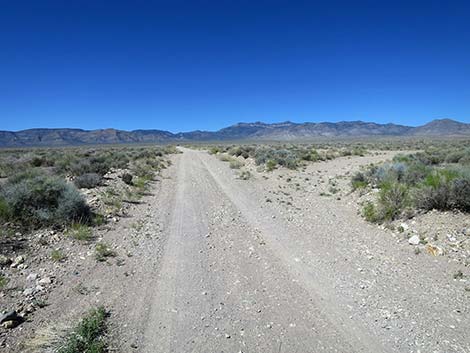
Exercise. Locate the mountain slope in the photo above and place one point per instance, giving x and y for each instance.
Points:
(442, 127)
(242, 131)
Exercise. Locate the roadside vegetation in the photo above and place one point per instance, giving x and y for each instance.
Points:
(87, 336)
(435, 179)
(291, 156)
(57, 202)
(40, 187)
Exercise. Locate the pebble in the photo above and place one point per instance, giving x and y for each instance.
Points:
(4, 261)
(414, 240)
(28, 291)
(17, 261)
(32, 277)
(45, 280)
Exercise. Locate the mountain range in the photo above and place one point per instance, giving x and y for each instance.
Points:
(258, 131)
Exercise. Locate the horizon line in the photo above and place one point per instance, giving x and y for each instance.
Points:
(238, 123)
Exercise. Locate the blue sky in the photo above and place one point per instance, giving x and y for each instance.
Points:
(185, 65)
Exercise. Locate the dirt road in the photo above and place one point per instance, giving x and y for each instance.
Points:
(212, 263)
(240, 275)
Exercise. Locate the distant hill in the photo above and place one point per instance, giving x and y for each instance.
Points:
(442, 127)
(257, 131)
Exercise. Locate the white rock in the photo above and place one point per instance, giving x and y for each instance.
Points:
(414, 240)
(28, 291)
(32, 277)
(17, 261)
(45, 280)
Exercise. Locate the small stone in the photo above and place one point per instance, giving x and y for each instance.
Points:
(45, 280)
(32, 277)
(10, 319)
(17, 261)
(4, 261)
(28, 292)
(29, 308)
(10, 324)
(414, 240)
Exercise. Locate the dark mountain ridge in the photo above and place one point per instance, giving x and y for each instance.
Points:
(257, 131)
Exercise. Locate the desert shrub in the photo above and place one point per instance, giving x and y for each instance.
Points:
(244, 175)
(369, 212)
(88, 336)
(310, 155)
(87, 181)
(435, 189)
(4, 208)
(57, 255)
(235, 164)
(359, 180)
(41, 161)
(238, 151)
(359, 151)
(465, 160)
(282, 157)
(103, 251)
(98, 165)
(271, 165)
(3, 281)
(142, 169)
(393, 198)
(454, 156)
(214, 150)
(415, 173)
(127, 178)
(225, 158)
(35, 200)
(80, 232)
(460, 194)
(429, 198)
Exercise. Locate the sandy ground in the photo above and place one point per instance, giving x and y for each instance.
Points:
(212, 263)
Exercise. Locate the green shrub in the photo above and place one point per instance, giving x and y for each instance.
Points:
(460, 194)
(393, 198)
(214, 150)
(282, 157)
(57, 255)
(88, 336)
(79, 232)
(4, 209)
(271, 165)
(103, 251)
(369, 212)
(235, 164)
(99, 165)
(3, 281)
(140, 168)
(435, 190)
(87, 181)
(225, 158)
(415, 173)
(35, 200)
(244, 175)
(359, 181)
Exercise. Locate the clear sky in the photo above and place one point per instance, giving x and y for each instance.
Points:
(184, 65)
